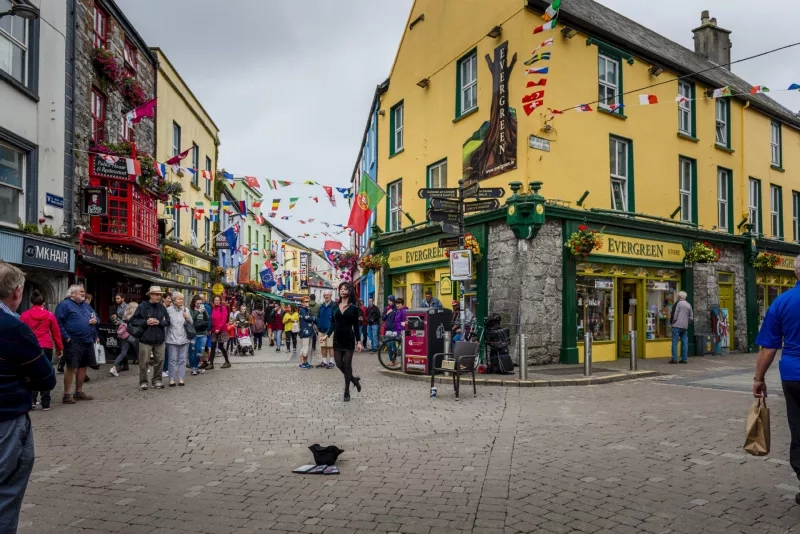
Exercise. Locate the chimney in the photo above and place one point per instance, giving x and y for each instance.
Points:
(711, 41)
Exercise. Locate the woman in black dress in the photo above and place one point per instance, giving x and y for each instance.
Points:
(346, 330)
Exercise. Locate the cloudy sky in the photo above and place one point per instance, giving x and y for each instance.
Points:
(290, 83)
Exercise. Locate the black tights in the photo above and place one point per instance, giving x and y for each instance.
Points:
(221, 346)
(344, 361)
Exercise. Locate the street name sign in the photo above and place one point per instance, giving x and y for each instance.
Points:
(491, 192)
(483, 205)
(470, 191)
(445, 205)
(438, 192)
(450, 242)
(450, 228)
(444, 216)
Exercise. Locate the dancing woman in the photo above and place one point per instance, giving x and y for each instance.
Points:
(346, 329)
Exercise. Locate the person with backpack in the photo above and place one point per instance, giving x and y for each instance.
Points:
(45, 328)
(257, 318)
(128, 342)
(149, 325)
(201, 321)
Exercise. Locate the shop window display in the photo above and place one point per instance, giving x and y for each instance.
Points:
(660, 298)
(595, 307)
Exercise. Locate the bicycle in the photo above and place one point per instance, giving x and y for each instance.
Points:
(390, 352)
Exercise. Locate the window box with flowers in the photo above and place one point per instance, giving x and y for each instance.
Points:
(373, 262)
(702, 253)
(107, 68)
(131, 90)
(584, 241)
(766, 261)
(170, 257)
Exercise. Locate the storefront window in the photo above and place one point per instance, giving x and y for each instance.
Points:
(595, 307)
(660, 298)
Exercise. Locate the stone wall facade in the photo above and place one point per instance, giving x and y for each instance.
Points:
(525, 287)
(706, 293)
(86, 80)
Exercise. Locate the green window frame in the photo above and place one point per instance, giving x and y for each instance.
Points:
(687, 111)
(687, 188)
(441, 166)
(722, 116)
(394, 204)
(795, 216)
(776, 145)
(754, 205)
(397, 129)
(605, 59)
(776, 211)
(725, 199)
(620, 173)
(466, 88)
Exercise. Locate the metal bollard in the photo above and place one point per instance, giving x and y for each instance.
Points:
(523, 357)
(402, 351)
(587, 354)
(634, 362)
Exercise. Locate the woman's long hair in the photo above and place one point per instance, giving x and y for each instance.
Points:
(351, 292)
(130, 309)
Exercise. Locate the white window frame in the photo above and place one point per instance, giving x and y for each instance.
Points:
(15, 42)
(176, 139)
(775, 210)
(395, 190)
(685, 188)
(399, 124)
(438, 182)
(196, 164)
(721, 131)
(604, 85)
(723, 199)
(618, 178)
(208, 180)
(469, 85)
(775, 144)
(753, 207)
(685, 109)
(20, 189)
(194, 228)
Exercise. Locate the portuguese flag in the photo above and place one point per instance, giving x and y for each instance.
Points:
(364, 203)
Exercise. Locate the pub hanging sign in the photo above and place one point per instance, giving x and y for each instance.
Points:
(106, 166)
(95, 201)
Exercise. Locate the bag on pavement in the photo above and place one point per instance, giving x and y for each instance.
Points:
(757, 438)
(99, 353)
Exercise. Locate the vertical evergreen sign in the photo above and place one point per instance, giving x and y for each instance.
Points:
(492, 150)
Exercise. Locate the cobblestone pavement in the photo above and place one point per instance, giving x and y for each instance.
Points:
(657, 456)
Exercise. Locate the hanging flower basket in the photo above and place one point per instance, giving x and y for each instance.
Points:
(168, 257)
(470, 243)
(766, 261)
(584, 241)
(217, 274)
(347, 261)
(702, 253)
(131, 90)
(107, 67)
(373, 262)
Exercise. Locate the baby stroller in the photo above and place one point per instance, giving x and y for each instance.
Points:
(244, 342)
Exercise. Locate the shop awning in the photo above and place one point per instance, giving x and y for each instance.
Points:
(275, 297)
(147, 276)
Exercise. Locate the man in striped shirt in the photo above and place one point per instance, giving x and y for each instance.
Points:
(23, 368)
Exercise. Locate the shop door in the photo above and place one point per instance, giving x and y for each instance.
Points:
(726, 305)
(628, 304)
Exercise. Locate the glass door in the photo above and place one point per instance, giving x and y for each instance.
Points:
(629, 308)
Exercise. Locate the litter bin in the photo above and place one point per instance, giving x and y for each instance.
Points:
(703, 344)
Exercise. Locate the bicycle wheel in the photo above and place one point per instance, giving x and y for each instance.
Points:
(390, 355)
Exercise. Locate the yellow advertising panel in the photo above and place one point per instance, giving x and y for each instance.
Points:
(787, 263)
(192, 261)
(637, 248)
(420, 255)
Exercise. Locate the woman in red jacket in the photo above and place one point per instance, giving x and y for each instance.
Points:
(277, 326)
(45, 328)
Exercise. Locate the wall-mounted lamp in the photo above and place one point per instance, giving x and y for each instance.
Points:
(416, 21)
(674, 213)
(424, 82)
(656, 71)
(22, 11)
(569, 33)
(583, 197)
(382, 112)
(496, 32)
(742, 223)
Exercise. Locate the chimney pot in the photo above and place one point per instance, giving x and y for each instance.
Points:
(713, 21)
(704, 16)
(711, 41)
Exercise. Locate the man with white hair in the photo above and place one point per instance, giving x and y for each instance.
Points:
(781, 328)
(78, 324)
(149, 325)
(23, 368)
(324, 318)
(681, 316)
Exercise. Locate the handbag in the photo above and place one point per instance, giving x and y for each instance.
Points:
(295, 327)
(99, 353)
(757, 438)
(191, 333)
(135, 331)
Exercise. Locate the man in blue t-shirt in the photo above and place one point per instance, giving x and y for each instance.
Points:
(781, 328)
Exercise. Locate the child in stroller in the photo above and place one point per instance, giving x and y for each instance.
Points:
(244, 341)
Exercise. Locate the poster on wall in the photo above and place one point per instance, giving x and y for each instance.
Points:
(95, 201)
(460, 265)
(304, 270)
(492, 149)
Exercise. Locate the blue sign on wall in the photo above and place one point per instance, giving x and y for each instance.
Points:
(55, 201)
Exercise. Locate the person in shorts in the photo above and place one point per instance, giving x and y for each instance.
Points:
(78, 325)
(324, 318)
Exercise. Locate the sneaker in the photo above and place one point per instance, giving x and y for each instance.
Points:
(143, 387)
(194, 372)
(331, 365)
(225, 365)
(321, 365)
(684, 361)
(673, 361)
(301, 366)
(306, 366)
(159, 385)
(164, 374)
(113, 371)
(46, 409)
(210, 367)
(60, 367)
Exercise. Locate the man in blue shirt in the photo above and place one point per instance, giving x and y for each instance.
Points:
(324, 318)
(781, 328)
(78, 324)
(23, 368)
(430, 301)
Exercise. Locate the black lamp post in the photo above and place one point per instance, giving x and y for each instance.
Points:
(22, 11)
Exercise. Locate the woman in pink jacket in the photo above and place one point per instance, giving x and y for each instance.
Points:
(45, 328)
(219, 331)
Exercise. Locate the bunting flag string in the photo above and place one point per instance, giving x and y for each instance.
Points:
(535, 100)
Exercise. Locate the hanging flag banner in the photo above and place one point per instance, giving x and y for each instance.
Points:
(148, 109)
(492, 149)
(293, 202)
(252, 181)
(552, 11)
(545, 27)
(544, 56)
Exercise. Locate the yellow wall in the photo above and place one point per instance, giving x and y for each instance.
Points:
(176, 103)
(579, 156)
(291, 260)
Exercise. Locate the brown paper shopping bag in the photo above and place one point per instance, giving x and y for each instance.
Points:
(757, 439)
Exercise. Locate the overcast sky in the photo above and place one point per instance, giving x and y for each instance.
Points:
(290, 83)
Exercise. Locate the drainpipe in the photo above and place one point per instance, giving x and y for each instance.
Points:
(745, 181)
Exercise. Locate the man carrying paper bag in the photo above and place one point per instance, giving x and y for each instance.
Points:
(781, 328)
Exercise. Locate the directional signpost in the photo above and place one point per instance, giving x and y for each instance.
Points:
(445, 205)
(470, 191)
(450, 228)
(444, 216)
(449, 242)
(492, 192)
(481, 205)
(451, 192)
